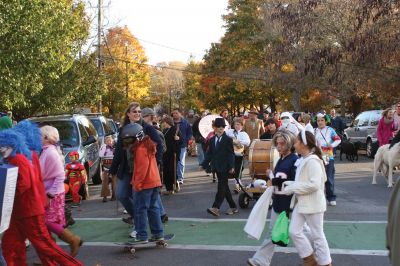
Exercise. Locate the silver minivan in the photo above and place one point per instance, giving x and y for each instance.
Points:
(363, 131)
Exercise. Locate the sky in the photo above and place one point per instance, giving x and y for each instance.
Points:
(188, 26)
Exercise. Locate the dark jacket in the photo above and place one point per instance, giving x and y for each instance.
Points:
(222, 157)
(280, 202)
(119, 164)
(173, 146)
(196, 132)
(338, 125)
(186, 132)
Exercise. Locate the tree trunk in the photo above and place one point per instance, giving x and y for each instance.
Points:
(296, 97)
(356, 102)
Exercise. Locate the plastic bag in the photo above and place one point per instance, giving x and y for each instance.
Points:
(280, 231)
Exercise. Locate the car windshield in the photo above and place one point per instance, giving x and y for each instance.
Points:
(69, 136)
(99, 127)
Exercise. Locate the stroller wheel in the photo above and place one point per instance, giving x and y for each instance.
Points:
(244, 200)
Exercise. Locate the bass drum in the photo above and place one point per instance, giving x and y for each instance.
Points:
(262, 156)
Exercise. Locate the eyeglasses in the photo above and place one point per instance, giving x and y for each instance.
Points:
(136, 111)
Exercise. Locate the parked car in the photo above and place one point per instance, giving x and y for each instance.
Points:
(363, 131)
(77, 133)
(114, 128)
(102, 126)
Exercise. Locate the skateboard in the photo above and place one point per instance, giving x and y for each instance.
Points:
(131, 247)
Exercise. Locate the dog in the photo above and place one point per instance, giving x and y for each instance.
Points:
(385, 160)
(350, 149)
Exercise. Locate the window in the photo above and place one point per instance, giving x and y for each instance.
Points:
(68, 132)
(91, 130)
(82, 129)
(375, 117)
(108, 130)
(363, 119)
(98, 125)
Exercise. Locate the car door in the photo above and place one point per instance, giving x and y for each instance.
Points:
(350, 132)
(359, 126)
(92, 150)
(363, 128)
(373, 124)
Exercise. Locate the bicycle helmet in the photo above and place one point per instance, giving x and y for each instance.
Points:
(132, 131)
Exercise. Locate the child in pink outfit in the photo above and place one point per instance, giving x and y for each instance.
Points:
(107, 154)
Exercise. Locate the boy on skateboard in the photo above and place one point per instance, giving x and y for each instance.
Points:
(146, 184)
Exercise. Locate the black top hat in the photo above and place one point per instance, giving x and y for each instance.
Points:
(219, 122)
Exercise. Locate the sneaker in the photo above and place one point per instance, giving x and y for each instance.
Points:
(75, 205)
(213, 211)
(164, 218)
(252, 262)
(156, 238)
(138, 241)
(231, 211)
(180, 182)
(177, 187)
(128, 220)
(133, 234)
(125, 211)
(332, 203)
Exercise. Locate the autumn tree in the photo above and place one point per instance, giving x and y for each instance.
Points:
(39, 41)
(125, 71)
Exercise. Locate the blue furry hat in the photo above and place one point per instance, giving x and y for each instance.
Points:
(32, 134)
(15, 140)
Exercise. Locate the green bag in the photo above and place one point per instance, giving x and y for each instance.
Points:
(280, 231)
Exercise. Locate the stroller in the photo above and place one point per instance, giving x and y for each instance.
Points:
(262, 156)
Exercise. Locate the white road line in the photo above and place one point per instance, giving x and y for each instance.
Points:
(207, 220)
(333, 251)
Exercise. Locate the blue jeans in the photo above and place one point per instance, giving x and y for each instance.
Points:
(125, 193)
(147, 212)
(2, 260)
(330, 182)
(161, 206)
(200, 153)
(180, 169)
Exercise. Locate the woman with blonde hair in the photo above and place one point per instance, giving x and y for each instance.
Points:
(52, 167)
(284, 170)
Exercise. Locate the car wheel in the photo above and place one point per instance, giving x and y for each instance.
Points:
(96, 179)
(369, 149)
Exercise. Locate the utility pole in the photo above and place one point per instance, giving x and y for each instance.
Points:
(99, 59)
(126, 71)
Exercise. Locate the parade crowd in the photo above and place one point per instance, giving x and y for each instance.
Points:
(150, 153)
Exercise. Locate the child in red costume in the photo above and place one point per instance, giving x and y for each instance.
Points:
(75, 176)
(27, 219)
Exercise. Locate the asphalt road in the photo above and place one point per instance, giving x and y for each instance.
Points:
(354, 228)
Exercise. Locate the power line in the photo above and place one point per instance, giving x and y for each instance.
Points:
(162, 45)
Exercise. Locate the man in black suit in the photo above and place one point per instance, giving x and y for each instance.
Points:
(222, 158)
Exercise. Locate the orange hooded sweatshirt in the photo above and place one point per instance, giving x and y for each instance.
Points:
(145, 170)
